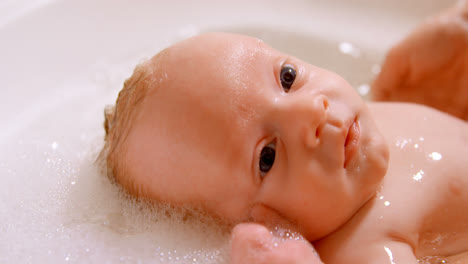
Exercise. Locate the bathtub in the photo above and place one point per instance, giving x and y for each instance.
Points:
(63, 61)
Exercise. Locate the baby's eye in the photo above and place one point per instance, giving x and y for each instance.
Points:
(267, 158)
(287, 76)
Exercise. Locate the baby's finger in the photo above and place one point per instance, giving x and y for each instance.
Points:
(294, 252)
(249, 243)
(254, 244)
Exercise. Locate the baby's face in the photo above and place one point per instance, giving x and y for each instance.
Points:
(247, 132)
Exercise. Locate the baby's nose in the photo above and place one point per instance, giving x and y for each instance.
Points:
(303, 117)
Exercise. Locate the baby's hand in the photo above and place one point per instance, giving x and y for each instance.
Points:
(431, 65)
(254, 244)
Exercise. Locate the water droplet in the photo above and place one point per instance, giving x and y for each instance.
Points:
(348, 48)
(432, 260)
(386, 203)
(435, 156)
(390, 254)
(402, 142)
(418, 176)
(363, 89)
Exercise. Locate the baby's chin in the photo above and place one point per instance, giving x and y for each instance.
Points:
(374, 159)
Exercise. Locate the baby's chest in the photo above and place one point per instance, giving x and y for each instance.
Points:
(424, 230)
(426, 208)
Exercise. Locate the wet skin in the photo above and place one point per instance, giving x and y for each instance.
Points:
(201, 135)
(222, 129)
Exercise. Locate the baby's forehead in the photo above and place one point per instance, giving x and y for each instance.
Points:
(220, 48)
(216, 74)
(221, 61)
(211, 78)
(225, 41)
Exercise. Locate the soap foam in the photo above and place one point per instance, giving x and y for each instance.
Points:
(57, 207)
(70, 213)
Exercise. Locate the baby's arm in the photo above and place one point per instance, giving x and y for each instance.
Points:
(254, 244)
(430, 66)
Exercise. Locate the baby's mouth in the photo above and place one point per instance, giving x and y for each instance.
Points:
(351, 142)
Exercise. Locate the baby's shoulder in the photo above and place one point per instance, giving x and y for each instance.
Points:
(413, 116)
(416, 132)
(427, 177)
(412, 130)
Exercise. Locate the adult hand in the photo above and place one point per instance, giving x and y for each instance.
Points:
(430, 66)
(254, 244)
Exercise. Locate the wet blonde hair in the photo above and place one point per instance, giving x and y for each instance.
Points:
(118, 121)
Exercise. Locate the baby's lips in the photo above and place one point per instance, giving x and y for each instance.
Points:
(352, 141)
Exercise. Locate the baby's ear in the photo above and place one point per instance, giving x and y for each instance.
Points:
(108, 117)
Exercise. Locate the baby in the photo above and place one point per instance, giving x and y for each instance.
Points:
(227, 124)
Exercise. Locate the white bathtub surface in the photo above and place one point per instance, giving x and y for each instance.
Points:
(61, 62)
